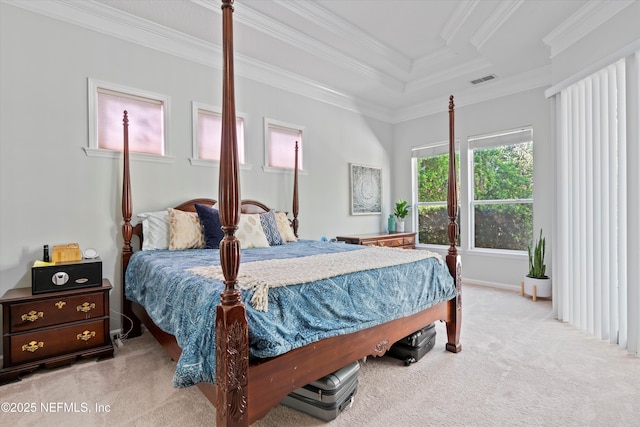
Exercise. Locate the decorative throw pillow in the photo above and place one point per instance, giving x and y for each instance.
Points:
(211, 226)
(250, 232)
(270, 228)
(185, 230)
(155, 228)
(285, 229)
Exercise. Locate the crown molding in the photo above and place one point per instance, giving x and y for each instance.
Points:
(273, 28)
(115, 23)
(532, 79)
(457, 19)
(437, 57)
(434, 79)
(500, 15)
(623, 52)
(291, 82)
(593, 14)
(336, 25)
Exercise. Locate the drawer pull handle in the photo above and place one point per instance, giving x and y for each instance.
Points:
(32, 346)
(60, 304)
(86, 335)
(32, 316)
(86, 307)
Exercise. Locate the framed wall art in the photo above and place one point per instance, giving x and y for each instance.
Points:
(366, 190)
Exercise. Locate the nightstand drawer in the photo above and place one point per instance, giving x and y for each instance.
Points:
(410, 241)
(391, 243)
(52, 342)
(37, 314)
(390, 240)
(53, 329)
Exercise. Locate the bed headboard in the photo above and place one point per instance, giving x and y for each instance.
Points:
(246, 207)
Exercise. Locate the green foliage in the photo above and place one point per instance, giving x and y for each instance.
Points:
(536, 260)
(401, 210)
(503, 172)
(503, 226)
(433, 176)
(433, 222)
(500, 173)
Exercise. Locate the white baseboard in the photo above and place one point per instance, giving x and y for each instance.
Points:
(510, 287)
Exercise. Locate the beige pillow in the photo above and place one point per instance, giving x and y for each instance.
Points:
(285, 229)
(185, 230)
(250, 232)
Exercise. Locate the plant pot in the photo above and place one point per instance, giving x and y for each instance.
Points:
(400, 226)
(536, 287)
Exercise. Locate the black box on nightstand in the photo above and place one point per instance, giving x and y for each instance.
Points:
(66, 275)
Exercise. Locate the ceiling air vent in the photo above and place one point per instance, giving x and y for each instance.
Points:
(483, 79)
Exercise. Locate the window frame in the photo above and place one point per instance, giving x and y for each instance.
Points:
(430, 150)
(268, 123)
(93, 150)
(196, 107)
(472, 203)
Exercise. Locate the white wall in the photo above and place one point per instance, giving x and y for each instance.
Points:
(52, 193)
(509, 112)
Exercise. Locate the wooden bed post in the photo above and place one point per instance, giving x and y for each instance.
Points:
(127, 232)
(294, 222)
(232, 333)
(453, 259)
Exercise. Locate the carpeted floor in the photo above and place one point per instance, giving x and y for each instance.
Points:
(518, 366)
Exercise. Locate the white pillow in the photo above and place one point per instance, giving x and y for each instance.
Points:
(155, 227)
(285, 229)
(250, 232)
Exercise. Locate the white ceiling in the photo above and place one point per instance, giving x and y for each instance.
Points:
(390, 59)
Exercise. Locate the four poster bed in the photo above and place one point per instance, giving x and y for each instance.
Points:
(278, 323)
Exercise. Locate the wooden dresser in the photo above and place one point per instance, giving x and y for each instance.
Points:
(396, 240)
(53, 329)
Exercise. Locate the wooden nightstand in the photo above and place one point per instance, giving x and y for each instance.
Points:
(397, 240)
(53, 329)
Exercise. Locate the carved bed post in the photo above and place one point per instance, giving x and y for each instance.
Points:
(453, 259)
(232, 336)
(127, 231)
(294, 222)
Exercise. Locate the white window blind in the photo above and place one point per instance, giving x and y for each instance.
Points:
(591, 283)
(148, 122)
(146, 125)
(208, 135)
(280, 145)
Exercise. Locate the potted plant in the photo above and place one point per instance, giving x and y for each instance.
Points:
(401, 212)
(537, 283)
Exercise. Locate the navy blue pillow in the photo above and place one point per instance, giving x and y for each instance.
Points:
(211, 226)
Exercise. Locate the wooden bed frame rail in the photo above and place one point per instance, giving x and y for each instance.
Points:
(246, 392)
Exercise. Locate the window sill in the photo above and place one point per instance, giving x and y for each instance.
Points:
(113, 154)
(269, 169)
(498, 253)
(214, 163)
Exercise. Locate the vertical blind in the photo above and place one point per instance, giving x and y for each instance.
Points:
(591, 248)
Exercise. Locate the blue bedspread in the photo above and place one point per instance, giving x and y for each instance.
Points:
(184, 304)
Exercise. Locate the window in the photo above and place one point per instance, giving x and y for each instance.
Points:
(280, 141)
(502, 190)
(147, 114)
(431, 172)
(207, 135)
